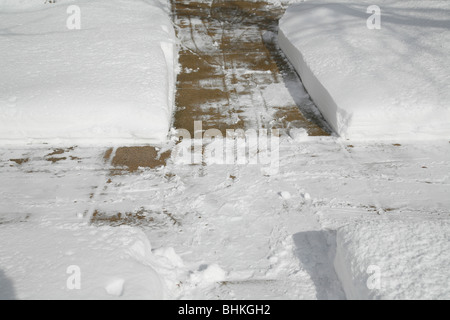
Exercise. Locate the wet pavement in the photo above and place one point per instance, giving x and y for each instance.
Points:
(233, 75)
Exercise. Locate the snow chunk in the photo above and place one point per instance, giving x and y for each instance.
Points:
(208, 275)
(298, 134)
(115, 288)
(286, 195)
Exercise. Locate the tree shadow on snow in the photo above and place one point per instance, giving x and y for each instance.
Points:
(316, 251)
(7, 291)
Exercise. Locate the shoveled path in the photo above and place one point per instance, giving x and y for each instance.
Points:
(233, 74)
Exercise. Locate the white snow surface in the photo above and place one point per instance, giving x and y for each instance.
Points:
(112, 263)
(391, 83)
(411, 258)
(110, 82)
(230, 231)
(309, 230)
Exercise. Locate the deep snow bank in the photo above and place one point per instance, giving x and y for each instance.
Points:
(110, 82)
(44, 262)
(410, 259)
(391, 83)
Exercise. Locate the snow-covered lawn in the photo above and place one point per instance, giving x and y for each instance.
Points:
(388, 83)
(110, 82)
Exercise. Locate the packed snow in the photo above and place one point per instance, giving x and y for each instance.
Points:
(110, 82)
(387, 83)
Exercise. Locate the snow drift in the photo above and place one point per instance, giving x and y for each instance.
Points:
(110, 82)
(76, 261)
(391, 83)
(394, 259)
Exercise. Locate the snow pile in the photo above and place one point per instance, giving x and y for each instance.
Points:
(394, 259)
(388, 83)
(110, 82)
(73, 261)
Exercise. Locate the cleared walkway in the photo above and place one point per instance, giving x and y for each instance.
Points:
(233, 74)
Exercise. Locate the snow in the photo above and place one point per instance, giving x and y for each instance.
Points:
(298, 134)
(411, 258)
(333, 214)
(391, 83)
(285, 195)
(23, 5)
(110, 82)
(208, 235)
(115, 288)
(112, 262)
(271, 95)
(208, 274)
